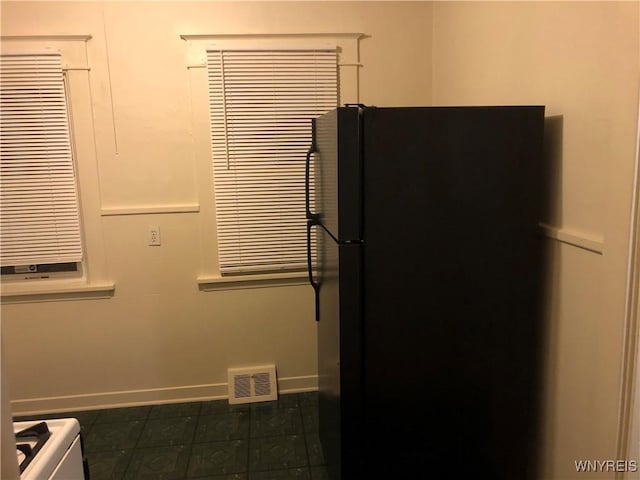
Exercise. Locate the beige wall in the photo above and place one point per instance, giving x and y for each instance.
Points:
(582, 61)
(159, 337)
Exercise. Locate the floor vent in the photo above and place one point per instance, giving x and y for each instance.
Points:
(252, 384)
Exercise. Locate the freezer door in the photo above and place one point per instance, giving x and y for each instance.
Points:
(336, 170)
(340, 356)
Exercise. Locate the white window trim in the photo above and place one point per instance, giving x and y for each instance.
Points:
(94, 282)
(260, 280)
(195, 62)
(55, 290)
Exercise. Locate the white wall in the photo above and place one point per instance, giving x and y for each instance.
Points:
(581, 60)
(8, 464)
(159, 337)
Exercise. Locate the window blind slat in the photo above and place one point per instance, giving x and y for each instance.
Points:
(261, 105)
(39, 212)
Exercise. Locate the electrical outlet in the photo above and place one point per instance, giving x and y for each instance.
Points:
(154, 236)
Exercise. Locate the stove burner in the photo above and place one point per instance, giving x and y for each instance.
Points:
(29, 442)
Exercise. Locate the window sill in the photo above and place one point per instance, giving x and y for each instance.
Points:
(264, 280)
(55, 290)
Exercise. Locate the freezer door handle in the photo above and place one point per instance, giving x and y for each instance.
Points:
(314, 283)
(307, 174)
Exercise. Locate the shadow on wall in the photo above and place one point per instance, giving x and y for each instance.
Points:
(552, 170)
(548, 275)
(527, 343)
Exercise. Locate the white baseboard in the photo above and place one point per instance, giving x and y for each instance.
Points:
(151, 396)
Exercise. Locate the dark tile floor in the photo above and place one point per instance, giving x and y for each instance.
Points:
(204, 440)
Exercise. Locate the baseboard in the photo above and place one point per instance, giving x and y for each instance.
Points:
(151, 396)
(308, 383)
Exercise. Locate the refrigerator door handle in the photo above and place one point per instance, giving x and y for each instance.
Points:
(307, 174)
(314, 283)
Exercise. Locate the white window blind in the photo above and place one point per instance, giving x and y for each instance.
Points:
(261, 106)
(39, 214)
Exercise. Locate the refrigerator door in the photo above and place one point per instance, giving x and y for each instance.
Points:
(340, 367)
(333, 177)
(336, 167)
(338, 182)
(452, 264)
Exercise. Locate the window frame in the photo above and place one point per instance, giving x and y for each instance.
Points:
(64, 161)
(241, 156)
(347, 44)
(92, 279)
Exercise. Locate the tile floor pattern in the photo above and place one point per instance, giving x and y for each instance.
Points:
(204, 440)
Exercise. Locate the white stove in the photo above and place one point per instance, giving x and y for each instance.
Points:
(49, 449)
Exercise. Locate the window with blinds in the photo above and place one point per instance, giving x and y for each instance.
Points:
(261, 106)
(39, 212)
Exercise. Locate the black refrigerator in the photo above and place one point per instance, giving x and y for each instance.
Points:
(427, 271)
